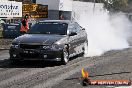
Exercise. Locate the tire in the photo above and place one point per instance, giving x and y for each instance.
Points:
(15, 61)
(85, 48)
(65, 56)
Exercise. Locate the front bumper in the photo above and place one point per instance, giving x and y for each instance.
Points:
(35, 54)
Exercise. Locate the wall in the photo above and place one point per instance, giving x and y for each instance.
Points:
(53, 4)
(89, 7)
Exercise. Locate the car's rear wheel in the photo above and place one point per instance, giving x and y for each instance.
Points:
(65, 56)
(85, 48)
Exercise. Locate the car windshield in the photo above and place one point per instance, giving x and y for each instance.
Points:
(49, 28)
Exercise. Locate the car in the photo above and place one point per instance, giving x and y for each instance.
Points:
(50, 40)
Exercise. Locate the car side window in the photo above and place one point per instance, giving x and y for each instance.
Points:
(72, 28)
(77, 27)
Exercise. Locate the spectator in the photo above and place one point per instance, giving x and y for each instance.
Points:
(24, 24)
(61, 17)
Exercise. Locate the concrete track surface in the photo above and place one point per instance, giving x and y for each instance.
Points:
(34, 74)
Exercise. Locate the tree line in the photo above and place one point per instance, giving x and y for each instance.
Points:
(113, 5)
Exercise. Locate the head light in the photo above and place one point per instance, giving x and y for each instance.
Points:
(14, 46)
(56, 47)
(46, 47)
(52, 47)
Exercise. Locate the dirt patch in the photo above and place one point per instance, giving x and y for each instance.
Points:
(5, 43)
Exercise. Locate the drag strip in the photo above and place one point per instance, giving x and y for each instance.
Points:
(49, 74)
(37, 77)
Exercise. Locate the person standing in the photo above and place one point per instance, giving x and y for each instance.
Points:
(61, 17)
(24, 24)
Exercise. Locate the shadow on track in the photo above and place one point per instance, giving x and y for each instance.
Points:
(27, 64)
(6, 63)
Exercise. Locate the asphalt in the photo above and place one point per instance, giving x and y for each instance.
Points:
(118, 67)
(114, 64)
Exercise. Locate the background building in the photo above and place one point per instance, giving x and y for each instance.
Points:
(25, 1)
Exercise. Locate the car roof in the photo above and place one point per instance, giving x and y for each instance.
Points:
(60, 21)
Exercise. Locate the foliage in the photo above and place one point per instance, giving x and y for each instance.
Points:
(116, 5)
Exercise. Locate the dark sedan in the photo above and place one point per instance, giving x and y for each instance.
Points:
(50, 41)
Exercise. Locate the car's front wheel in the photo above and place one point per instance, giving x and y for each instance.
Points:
(15, 61)
(65, 56)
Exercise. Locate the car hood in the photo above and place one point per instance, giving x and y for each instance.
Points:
(42, 39)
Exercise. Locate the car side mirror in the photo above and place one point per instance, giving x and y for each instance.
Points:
(72, 34)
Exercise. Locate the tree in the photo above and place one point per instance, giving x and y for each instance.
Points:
(116, 5)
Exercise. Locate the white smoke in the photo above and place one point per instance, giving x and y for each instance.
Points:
(105, 32)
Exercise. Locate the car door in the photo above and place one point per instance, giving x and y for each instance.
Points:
(73, 40)
(81, 39)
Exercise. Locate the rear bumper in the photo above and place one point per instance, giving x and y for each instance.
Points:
(20, 54)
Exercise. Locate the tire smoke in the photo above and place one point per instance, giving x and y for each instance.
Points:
(105, 32)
